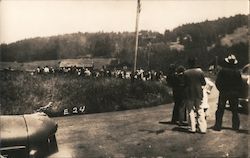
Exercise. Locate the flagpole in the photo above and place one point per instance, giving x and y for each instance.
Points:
(136, 32)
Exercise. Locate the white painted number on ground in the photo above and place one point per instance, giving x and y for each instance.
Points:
(75, 110)
(66, 112)
(82, 108)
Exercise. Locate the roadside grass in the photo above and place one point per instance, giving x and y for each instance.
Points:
(22, 93)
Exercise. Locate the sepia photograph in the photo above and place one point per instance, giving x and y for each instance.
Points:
(124, 78)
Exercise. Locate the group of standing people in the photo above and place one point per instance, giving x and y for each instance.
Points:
(188, 93)
(191, 90)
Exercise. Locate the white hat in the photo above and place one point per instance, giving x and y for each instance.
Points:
(231, 59)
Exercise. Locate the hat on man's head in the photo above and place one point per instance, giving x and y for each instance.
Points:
(192, 62)
(180, 69)
(231, 59)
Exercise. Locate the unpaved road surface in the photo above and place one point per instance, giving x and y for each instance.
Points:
(147, 133)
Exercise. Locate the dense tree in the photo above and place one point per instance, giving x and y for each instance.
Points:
(154, 48)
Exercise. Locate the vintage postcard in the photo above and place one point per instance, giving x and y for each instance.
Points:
(124, 78)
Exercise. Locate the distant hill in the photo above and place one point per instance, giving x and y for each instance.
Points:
(238, 36)
(203, 40)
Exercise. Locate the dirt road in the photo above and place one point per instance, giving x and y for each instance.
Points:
(147, 133)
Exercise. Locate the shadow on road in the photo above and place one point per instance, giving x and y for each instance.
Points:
(159, 131)
(167, 122)
(243, 131)
(184, 129)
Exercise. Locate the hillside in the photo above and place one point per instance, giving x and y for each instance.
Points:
(238, 36)
(23, 92)
(204, 40)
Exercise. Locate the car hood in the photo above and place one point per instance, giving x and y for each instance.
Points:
(22, 130)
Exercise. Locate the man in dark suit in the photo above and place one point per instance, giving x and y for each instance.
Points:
(229, 84)
(194, 79)
(176, 80)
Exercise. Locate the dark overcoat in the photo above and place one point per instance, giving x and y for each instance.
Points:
(194, 79)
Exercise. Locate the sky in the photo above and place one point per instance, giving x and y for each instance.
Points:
(20, 19)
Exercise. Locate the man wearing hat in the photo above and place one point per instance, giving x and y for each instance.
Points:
(229, 83)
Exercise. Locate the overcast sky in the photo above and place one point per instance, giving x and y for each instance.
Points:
(22, 19)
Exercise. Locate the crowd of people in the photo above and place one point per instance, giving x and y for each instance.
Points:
(139, 74)
(190, 94)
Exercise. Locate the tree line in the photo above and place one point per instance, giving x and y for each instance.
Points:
(201, 40)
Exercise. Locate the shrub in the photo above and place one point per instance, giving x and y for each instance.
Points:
(24, 93)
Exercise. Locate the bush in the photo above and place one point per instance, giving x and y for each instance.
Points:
(24, 93)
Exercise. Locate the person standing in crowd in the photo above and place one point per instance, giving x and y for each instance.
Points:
(46, 69)
(170, 81)
(176, 81)
(194, 80)
(179, 85)
(206, 91)
(229, 83)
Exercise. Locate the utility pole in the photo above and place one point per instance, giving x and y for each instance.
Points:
(149, 51)
(136, 32)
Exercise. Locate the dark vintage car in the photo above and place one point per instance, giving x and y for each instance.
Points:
(244, 98)
(27, 136)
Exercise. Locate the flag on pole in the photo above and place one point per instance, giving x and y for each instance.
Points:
(139, 6)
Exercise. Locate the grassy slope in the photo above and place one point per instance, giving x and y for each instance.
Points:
(22, 93)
